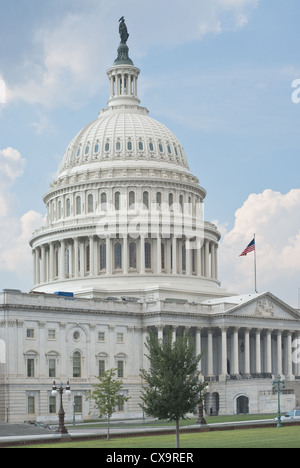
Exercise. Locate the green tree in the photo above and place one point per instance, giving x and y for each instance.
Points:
(107, 396)
(172, 383)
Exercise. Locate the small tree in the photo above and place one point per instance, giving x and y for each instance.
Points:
(172, 384)
(107, 396)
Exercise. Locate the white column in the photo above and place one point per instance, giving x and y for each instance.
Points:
(247, 351)
(199, 259)
(224, 352)
(279, 352)
(37, 266)
(92, 258)
(188, 254)
(145, 360)
(34, 266)
(160, 330)
(290, 375)
(213, 261)
(206, 260)
(216, 262)
(174, 251)
(76, 257)
(210, 354)
(44, 275)
(82, 258)
(70, 247)
(236, 369)
(108, 256)
(62, 269)
(258, 352)
(158, 255)
(51, 261)
(125, 255)
(142, 254)
(174, 329)
(269, 352)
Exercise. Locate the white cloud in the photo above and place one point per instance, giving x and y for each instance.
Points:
(68, 55)
(274, 217)
(15, 253)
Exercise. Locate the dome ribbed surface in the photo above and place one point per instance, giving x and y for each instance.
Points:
(124, 135)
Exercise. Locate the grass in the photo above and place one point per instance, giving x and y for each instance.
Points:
(286, 437)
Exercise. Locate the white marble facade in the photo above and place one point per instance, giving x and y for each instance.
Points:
(53, 338)
(125, 235)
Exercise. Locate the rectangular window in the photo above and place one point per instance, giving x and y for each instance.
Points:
(52, 368)
(30, 367)
(30, 333)
(52, 405)
(51, 334)
(101, 336)
(78, 404)
(120, 337)
(31, 405)
(101, 368)
(120, 366)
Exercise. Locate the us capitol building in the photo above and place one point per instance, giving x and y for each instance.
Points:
(125, 249)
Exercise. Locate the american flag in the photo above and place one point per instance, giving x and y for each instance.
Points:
(250, 248)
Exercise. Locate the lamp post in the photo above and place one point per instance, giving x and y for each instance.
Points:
(279, 383)
(203, 390)
(61, 414)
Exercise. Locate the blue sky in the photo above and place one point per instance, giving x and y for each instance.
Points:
(218, 73)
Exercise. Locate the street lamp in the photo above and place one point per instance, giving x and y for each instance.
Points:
(203, 389)
(61, 414)
(279, 383)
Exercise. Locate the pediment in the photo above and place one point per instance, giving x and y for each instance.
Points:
(265, 306)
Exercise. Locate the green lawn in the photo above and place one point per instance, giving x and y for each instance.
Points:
(286, 437)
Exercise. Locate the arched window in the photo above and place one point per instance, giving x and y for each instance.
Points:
(78, 205)
(68, 207)
(132, 255)
(76, 364)
(183, 257)
(146, 200)
(102, 256)
(67, 262)
(163, 262)
(90, 203)
(59, 210)
(117, 201)
(131, 199)
(148, 255)
(171, 198)
(103, 201)
(118, 256)
(158, 199)
(181, 201)
(87, 256)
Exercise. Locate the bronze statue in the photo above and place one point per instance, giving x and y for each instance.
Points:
(123, 30)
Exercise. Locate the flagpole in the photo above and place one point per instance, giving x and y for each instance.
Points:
(255, 266)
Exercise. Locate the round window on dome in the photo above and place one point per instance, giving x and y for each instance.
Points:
(96, 148)
(118, 146)
(78, 152)
(129, 145)
(169, 149)
(141, 146)
(107, 146)
(151, 146)
(87, 150)
(161, 149)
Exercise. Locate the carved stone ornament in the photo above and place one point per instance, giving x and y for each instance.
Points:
(264, 308)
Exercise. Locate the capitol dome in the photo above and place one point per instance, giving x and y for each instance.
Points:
(122, 136)
(126, 170)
